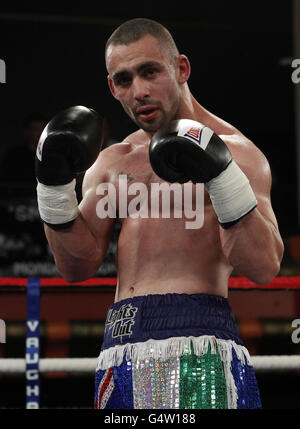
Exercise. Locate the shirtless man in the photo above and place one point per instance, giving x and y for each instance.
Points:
(170, 337)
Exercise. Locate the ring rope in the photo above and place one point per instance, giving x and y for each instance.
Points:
(88, 365)
(278, 283)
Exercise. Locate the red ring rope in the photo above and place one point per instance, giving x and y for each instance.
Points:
(278, 283)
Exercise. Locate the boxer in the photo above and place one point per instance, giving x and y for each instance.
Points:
(170, 339)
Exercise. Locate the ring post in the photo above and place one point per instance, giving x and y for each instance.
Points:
(32, 354)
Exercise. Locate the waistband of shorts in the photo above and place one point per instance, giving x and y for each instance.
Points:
(159, 317)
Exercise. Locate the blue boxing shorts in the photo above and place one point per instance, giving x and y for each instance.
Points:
(174, 351)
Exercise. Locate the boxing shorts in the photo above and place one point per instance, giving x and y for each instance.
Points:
(174, 351)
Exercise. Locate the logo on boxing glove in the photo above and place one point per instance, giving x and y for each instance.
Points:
(194, 134)
(39, 149)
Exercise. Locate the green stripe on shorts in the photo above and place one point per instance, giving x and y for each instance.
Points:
(202, 381)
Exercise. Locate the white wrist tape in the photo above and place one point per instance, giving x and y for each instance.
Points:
(231, 194)
(57, 204)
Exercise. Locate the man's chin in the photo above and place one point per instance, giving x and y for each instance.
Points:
(150, 126)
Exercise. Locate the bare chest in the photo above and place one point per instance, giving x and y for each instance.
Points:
(134, 190)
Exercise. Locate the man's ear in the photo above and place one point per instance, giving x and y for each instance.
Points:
(111, 86)
(183, 69)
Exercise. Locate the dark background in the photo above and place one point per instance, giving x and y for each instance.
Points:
(241, 54)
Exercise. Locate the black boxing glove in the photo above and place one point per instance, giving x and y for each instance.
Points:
(69, 145)
(187, 150)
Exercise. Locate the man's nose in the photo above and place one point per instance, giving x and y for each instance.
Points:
(140, 88)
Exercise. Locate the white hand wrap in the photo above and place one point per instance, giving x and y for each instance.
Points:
(231, 194)
(57, 204)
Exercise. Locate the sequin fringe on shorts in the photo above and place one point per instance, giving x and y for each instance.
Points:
(179, 372)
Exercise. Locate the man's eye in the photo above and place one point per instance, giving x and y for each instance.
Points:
(150, 72)
(123, 81)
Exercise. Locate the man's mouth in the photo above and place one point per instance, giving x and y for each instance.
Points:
(147, 113)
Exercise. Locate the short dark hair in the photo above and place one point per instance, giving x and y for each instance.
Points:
(134, 29)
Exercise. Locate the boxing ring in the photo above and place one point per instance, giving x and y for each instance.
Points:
(32, 365)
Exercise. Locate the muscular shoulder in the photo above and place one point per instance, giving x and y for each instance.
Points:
(251, 160)
(109, 159)
(112, 153)
(246, 154)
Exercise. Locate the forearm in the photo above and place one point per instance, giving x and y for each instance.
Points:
(76, 251)
(253, 247)
(70, 144)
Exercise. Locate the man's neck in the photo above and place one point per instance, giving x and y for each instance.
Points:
(192, 109)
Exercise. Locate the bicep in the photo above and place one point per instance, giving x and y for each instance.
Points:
(93, 210)
(256, 167)
(100, 227)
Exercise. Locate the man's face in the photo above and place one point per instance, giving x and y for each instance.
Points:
(145, 82)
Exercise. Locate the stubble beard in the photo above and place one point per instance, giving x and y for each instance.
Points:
(154, 125)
